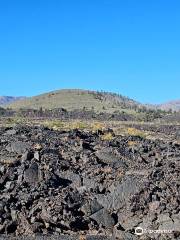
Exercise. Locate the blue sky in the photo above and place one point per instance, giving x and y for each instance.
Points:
(127, 46)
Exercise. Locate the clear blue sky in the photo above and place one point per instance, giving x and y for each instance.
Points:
(126, 46)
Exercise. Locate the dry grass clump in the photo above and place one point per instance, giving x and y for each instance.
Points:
(7, 161)
(54, 124)
(132, 143)
(14, 120)
(95, 126)
(82, 237)
(78, 125)
(66, 125)
(135, 132)
(107, 137)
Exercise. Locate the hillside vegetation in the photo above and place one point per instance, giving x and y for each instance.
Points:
(77, 99)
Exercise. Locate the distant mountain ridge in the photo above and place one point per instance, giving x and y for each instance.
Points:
(4, 100)
(174, 105)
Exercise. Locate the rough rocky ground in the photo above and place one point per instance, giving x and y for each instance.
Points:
(72, 185)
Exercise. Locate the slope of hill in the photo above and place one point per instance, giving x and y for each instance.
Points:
(77, 99)
(4, 100)
(174, 105)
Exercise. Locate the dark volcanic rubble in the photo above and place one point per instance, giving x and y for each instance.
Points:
(74, 185)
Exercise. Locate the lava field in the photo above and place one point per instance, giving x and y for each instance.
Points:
(73, 185)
